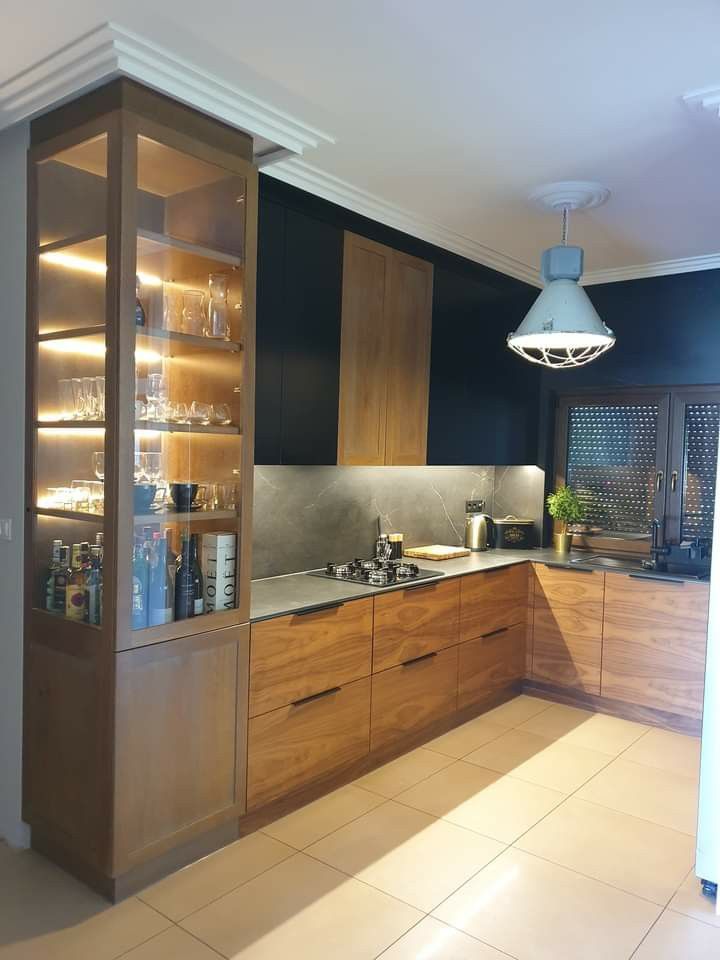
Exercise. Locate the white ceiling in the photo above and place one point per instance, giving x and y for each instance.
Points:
(455, 110)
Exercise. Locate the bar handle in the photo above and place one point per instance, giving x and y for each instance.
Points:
(494, 633)
(573, 569)
(425, 656)
(314, 696)
(646, 576)
(673, 481)
(421, 586)
(659, 476)
(321, 609)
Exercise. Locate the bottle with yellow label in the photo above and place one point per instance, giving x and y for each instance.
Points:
(75, 589)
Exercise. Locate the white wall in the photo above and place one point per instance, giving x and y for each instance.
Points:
(13, 147)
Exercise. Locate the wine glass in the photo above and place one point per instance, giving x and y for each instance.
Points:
(139, 468)
(157, 396)
(98, 464)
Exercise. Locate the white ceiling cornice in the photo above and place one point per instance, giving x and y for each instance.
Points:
(660, 268)
(110, 50)
(303, 175)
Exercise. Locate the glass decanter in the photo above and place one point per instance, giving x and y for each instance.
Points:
(218, 317)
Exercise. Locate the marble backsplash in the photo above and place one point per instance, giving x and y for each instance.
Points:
(305, 516)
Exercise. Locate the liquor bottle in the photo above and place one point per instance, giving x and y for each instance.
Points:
(99, 545)
(139, 310)
(54, 570)
(61, 578)
(140, 571)
(93, 587)
(75, 587)
(188, 581)
(161, 593)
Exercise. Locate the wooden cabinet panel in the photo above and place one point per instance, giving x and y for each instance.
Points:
(412, 696)
(655, 635)
(487, 664)
(297, 656)
(567, 627)
(294, 745)
(363, 352)
(180, 740)
(409, 318)
(411, 623)
(493, 599)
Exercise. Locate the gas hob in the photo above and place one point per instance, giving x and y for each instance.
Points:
(376, 573)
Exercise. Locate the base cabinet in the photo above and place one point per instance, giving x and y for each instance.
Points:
(490, 663)
(410, 623)
(493, 599)
(655, 637)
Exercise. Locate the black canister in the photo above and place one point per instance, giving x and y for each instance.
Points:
(514, 533)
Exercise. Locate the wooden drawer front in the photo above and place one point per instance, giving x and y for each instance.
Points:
(411, 623)
(490, 663)
(568, 587)
(294, 745)
(493, 599)
(413, 695)
(567, 645)
(654, 642)
(296, 656)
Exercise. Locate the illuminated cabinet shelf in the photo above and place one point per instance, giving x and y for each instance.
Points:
(142, 262)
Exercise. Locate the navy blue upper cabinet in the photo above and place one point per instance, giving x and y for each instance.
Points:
(298, 337)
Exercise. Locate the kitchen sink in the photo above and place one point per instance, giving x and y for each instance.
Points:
(615, 563)
(633, 565)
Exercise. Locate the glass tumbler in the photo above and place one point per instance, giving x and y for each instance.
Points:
(65, 396)
(218, 317)
(100, 397)
(78, 399)
(89, 394)
(192, 312)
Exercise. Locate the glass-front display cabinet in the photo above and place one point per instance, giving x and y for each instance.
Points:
(141, 266)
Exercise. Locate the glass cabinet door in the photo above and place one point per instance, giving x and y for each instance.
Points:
(188, 396)
(69, 191)
(692, 465)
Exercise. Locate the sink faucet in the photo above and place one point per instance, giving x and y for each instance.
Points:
(657, 548)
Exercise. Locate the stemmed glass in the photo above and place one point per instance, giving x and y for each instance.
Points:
(157, 396)
(98, 464)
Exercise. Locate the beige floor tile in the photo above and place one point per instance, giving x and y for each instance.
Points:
(396, 776)
(497, 806)
(647, 793)
(595, 731)
(173, 944)
(406, 853)
(690, 901)
(199, 884)
(462, 740)
(679, 938)
(667, 751)
(305, 910)
(536, 910)
(433, 940)
(45, 913)
(318, 819)
(634, 855)
(549, 763)
(517, 711)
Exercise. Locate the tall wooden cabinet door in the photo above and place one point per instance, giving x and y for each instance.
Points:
(567, 627)
(409, 317)
(654, 641)
(363, 353)
(181, 736)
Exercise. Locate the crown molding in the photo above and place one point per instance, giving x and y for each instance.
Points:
(299, 173)
(109, 51)
(705, 98)
(660, 268)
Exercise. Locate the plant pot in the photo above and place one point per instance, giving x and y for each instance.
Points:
(562, 542)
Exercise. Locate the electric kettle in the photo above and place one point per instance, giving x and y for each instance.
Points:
(479, 527)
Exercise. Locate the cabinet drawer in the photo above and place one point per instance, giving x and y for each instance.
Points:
(413, 695)
(567, 646)
(492, 600)
(654, 641)
(296, 656)
(569, 587)
(487, 664)
(411, 623)
(298, 743)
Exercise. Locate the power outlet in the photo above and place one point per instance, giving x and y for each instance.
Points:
(474, 506)
(5, 529)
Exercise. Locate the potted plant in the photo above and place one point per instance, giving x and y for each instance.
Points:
(564, 507)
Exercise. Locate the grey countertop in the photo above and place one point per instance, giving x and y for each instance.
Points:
(276, 596)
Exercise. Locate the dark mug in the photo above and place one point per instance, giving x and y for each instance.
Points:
(183, 495)
(143, 496)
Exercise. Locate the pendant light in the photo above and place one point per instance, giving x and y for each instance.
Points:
(562, 328)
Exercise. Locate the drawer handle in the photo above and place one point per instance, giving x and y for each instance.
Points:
(425, 656)
(573, 569)
(422, 586)
(494, 633)
(322, 609)
(315, 696)
(643, 576)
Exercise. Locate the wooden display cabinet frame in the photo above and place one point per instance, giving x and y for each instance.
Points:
(83, 683)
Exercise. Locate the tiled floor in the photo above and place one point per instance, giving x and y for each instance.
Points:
(536, 832)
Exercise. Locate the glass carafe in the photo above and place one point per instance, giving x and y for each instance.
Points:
(218, 318)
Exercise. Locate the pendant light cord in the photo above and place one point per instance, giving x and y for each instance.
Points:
(564, 226)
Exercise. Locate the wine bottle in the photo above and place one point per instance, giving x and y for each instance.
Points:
(75, 587)
(140, 571)
(161, 601)
(139, 310)
(93, 586)
(61, 578)
(54, 569)
(188, 581)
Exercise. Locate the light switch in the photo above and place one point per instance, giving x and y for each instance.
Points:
(5, 528)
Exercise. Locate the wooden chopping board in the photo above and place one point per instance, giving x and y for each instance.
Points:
(437, 551)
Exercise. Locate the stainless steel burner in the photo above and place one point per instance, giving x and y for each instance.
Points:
(376, 572)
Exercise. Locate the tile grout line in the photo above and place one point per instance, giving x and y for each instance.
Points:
(375, 796)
